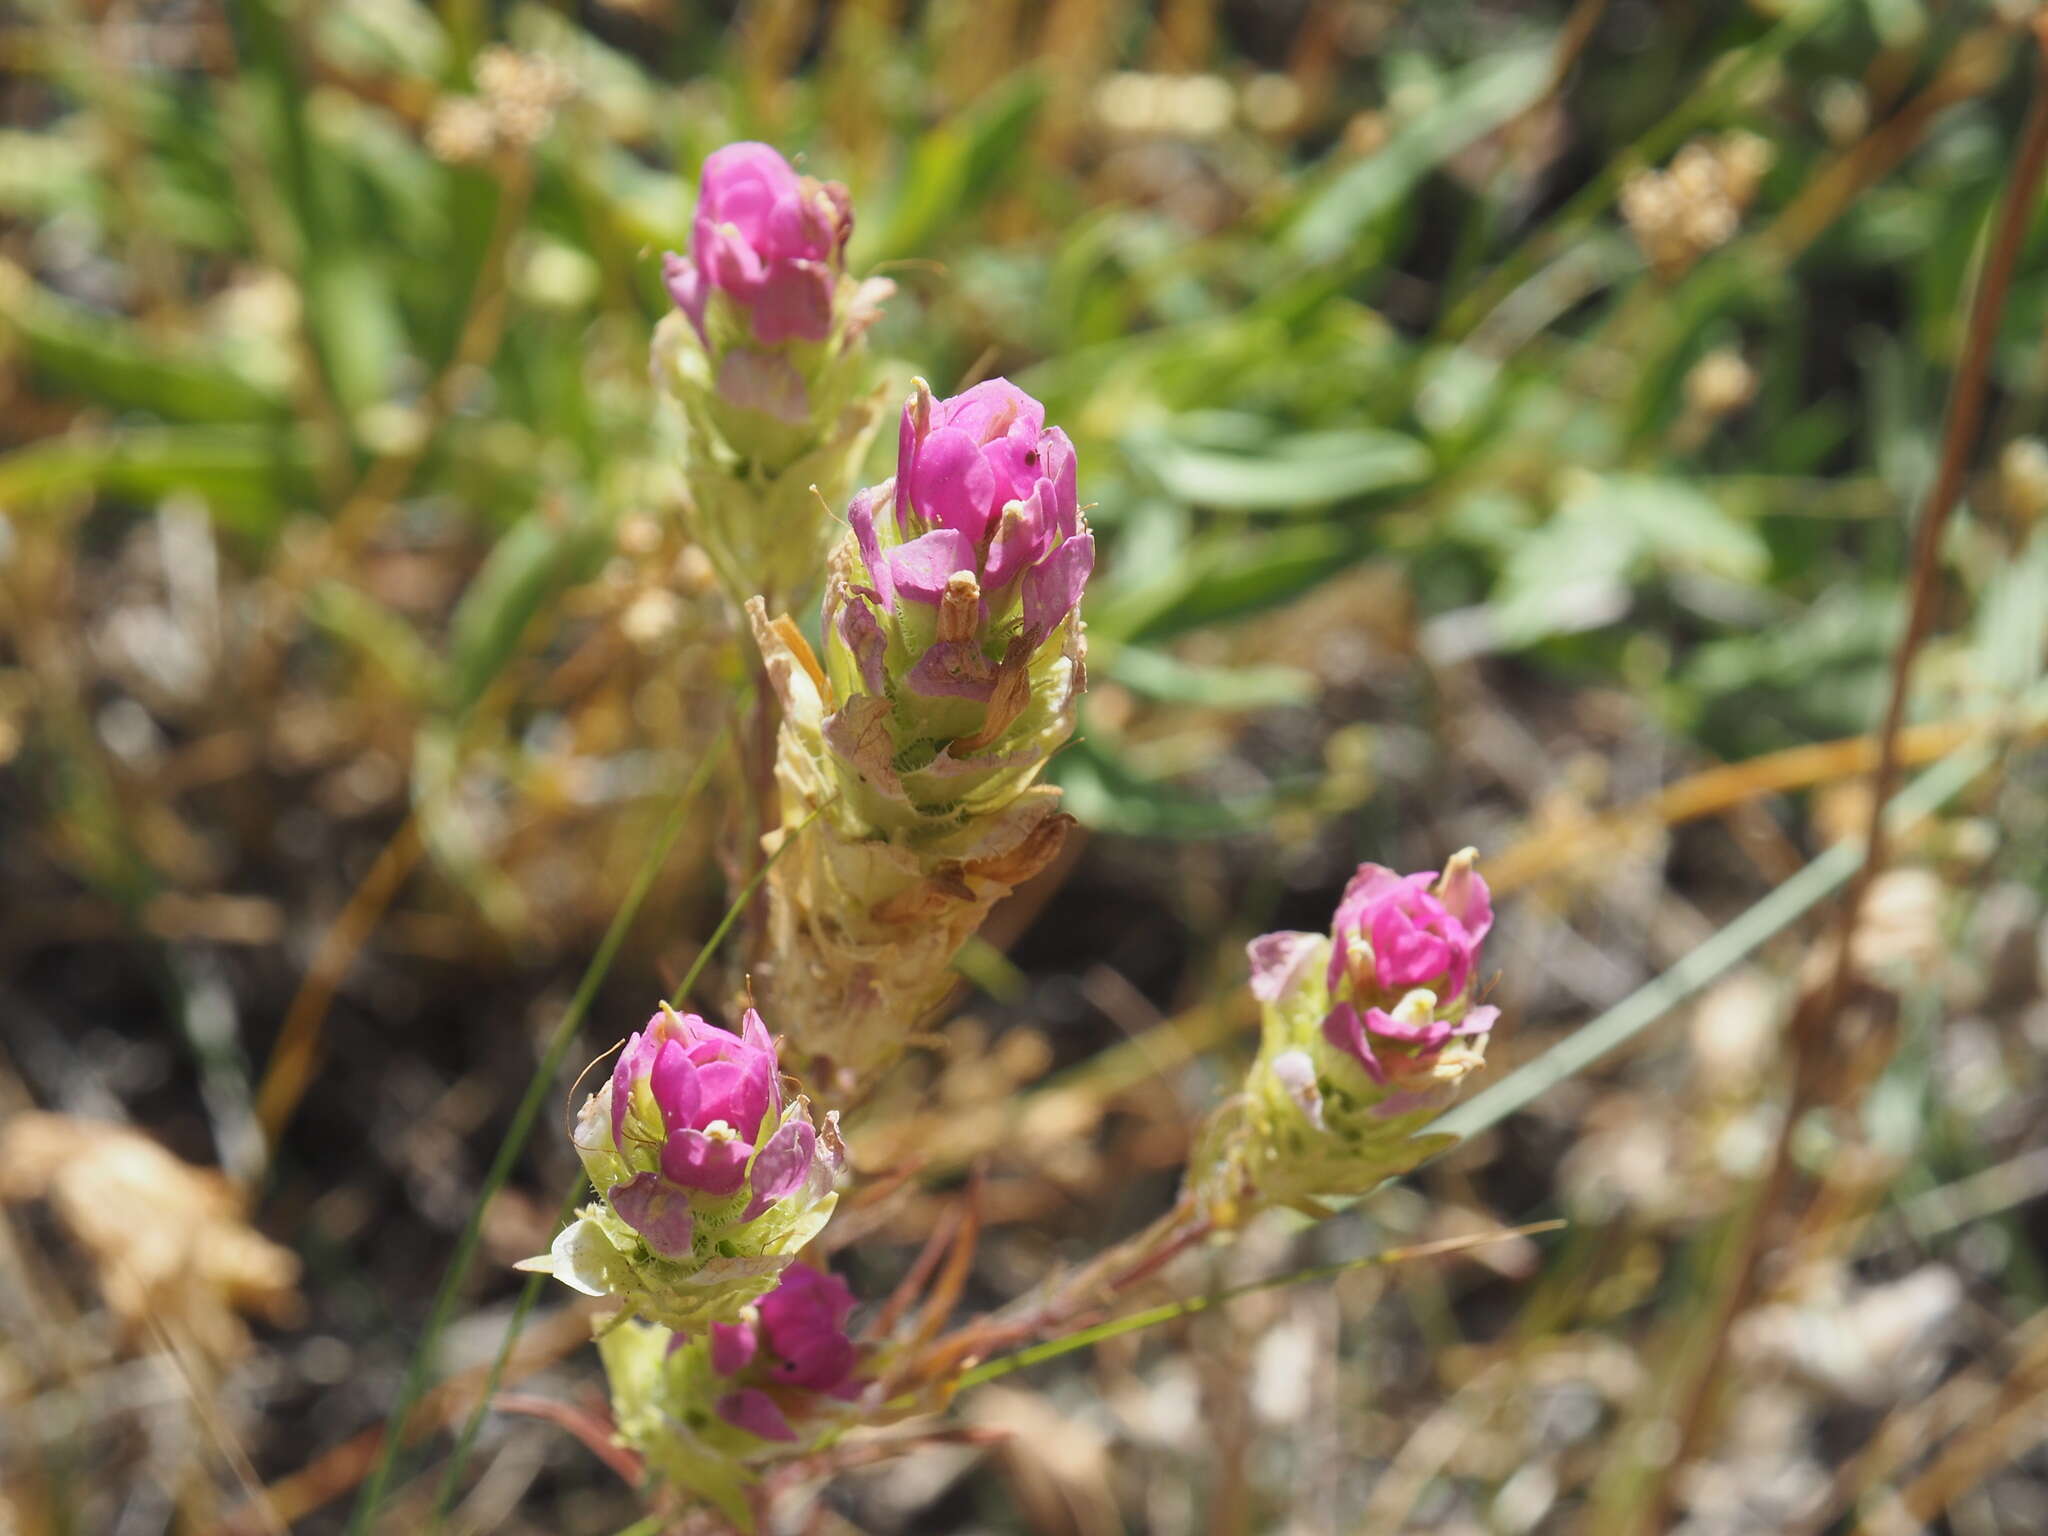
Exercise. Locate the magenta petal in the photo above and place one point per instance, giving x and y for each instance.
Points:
(754, 1411)
(732, 1346)
(1343, 1028)
(697, 1161)
(657, 1210)
(820, 1360)
(685, 285)
(723, 1085)
(1023, 535)
(906, 455)
(726, 258)
(781, 1165)
(954, 486)
(754, 1034)
(746, 167)
(860, 514)
(1428, 1034)
(991, 409)
(1056, 463)
(1275, 957)
(1405, 953)
(622, 1088)
(757, 1095)
(1478, 1021)
(1053, 586)
(675, 1086)
(920, 569)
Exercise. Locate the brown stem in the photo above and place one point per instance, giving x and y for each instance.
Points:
(1814, 1025)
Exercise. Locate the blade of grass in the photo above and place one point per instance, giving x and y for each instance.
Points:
(739, 905)
(1081, 1338)
(1719, 954)
(516, 1136)
(529, 1298)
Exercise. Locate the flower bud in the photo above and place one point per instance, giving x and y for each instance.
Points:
(770, 241)
(710, 1180)
(764, 367)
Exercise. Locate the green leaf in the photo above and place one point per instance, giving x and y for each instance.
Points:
(1335, 218)
(353, 616)
(109, 360)
(536, 559)
(1226, 576)
(1165, 677)
(246, 475)
(1305, 470)
(1102, 791)
(957, 166)
(1610, 531)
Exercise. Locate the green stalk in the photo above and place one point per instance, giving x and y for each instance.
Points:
(514, 1143)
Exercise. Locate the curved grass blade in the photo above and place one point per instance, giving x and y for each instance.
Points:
(529, 1298)
(514, 1143)
(1052, 1349)
(739, 905)
(530, 1295)
(1705, 964)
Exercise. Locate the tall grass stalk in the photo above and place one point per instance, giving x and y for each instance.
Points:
(514, 1143)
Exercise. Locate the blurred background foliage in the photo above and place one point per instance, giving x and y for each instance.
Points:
(1495, 416)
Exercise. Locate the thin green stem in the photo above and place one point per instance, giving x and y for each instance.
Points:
(1151, 1317)
(529, 1297)
(1719, 954)
(739, 905)
(515, 1139)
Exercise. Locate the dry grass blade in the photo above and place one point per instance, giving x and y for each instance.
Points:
(1813, 1027)
(293, 1057)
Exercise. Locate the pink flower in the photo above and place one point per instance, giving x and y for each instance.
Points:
(1419, 936)
(799, 1342)
(771, 239)
(711, 1104)
(984, 488)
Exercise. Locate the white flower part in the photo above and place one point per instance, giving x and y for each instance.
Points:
(1359, 961)
(1296, 1071)
(581, 1257)
(718, 1130)
(1417, 1007)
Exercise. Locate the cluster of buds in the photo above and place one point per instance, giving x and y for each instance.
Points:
(710, 1179)
(704, 1412)
(1366, 1033)
(1696, 204)
(909, 760)
(763, 369)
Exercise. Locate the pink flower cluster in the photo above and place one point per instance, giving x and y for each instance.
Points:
(768, 238)
(983, 489)
(1393, 934)
(717, 1120)
(797, 1345)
